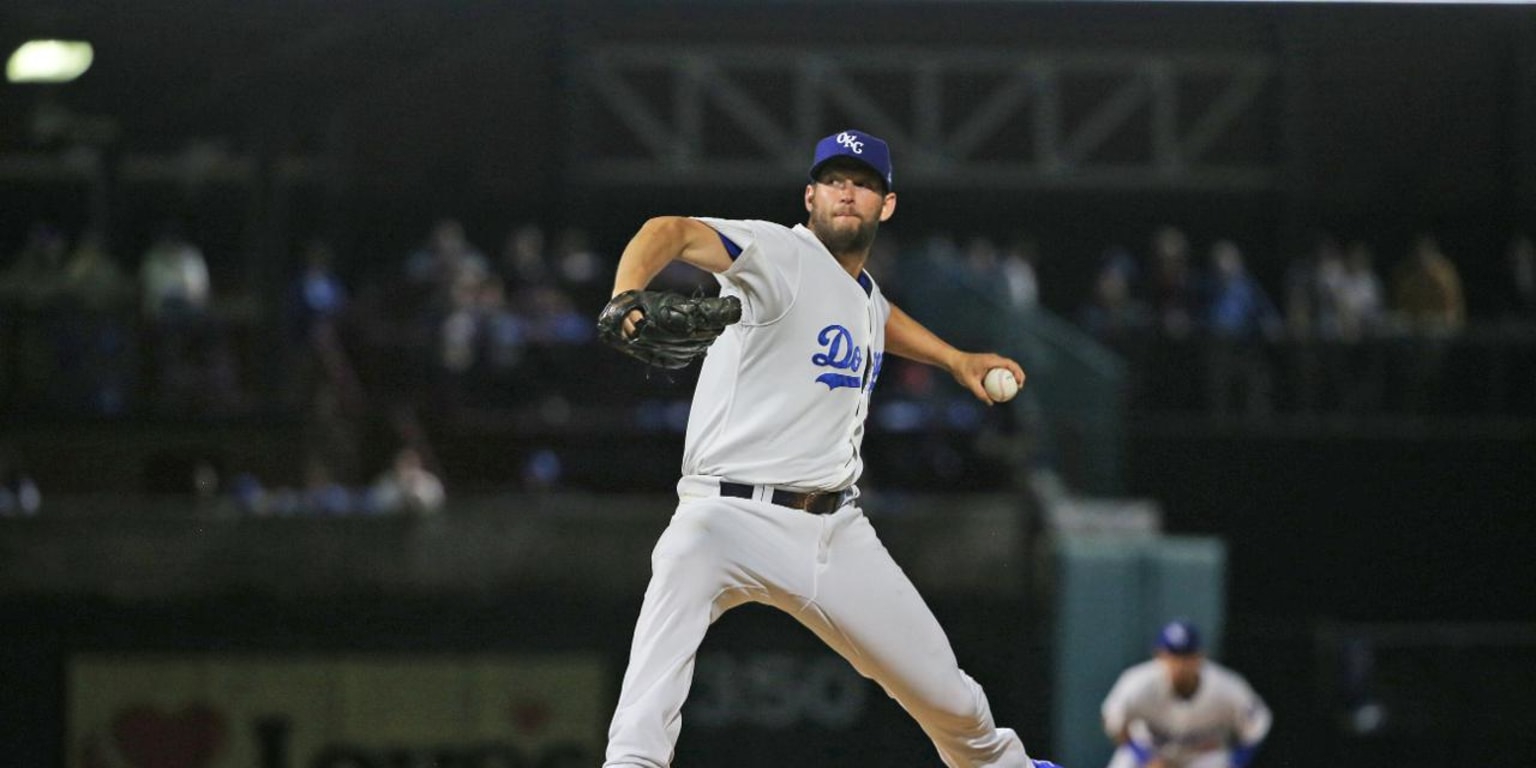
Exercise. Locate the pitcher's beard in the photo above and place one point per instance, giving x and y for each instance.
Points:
(843, 241)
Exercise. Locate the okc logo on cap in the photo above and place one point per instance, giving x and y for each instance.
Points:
(858, 146)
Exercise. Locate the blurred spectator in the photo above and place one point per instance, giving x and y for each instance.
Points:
(577, 265)
(317, 296)
(1112, 313)
(1308, 296)
(1426, 290)
(173, 277)
(458, 334)
(1312, 280)
(1240, 318)
(482, 345)
(1518, 303)
(19, 495)
(1237, 306)
(439, 272)
(62, 345)
(523, 258)
(194, 365)
(1172, 290)
(1329, 293)
(1360, 304)
(1120, 259)
(314, 304)
(1361, 296)
(1020, 275)
(1427, 296)
(408, 487)
(942, 250)
(1005, 279)
(37, 271)
(323, 494)
(249, 495)
(981, 260)
(1115, 316)
(93, 278)
(503, 334)
(446, 256)
(554, 319)
(96, 343)
(459, 330)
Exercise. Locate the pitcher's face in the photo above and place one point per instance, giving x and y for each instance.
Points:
(847, 202)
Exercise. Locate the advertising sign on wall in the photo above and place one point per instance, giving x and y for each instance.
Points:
(352, 711)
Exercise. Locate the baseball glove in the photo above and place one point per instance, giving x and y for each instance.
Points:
(675, 329)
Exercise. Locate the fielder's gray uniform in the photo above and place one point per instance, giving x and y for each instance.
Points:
(780, 405)
(1198, 732)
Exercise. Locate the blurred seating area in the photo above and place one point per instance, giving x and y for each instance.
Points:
(457, 353)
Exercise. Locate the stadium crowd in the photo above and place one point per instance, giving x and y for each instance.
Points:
(87, 332)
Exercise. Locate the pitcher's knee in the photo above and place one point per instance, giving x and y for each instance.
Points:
(964, 708)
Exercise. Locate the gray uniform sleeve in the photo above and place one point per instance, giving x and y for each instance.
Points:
(766, 271)
(1115, 710)
(1253, 715)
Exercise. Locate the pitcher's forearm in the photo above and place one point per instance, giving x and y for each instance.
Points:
(906, 337)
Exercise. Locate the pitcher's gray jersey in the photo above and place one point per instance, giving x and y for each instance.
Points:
(783, 394)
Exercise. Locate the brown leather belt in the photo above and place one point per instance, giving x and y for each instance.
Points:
(815, 502)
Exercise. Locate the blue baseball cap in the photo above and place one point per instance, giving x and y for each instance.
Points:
(1179, 638)
(856, 145)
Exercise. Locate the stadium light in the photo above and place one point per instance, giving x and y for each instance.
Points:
(49, 61)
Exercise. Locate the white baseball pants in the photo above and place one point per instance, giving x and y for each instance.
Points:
(831, 573)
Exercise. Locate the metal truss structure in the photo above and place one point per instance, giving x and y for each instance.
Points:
(1002, 119)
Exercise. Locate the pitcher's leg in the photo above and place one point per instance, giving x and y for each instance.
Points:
(688, 590)
(867, 609)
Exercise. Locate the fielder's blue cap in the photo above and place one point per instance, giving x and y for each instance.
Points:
(856, 145)
(1179, 637)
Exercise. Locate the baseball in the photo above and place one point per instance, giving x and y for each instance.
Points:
(1000, 384)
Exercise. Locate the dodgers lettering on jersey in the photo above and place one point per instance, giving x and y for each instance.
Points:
(842, 353)
(783, 394)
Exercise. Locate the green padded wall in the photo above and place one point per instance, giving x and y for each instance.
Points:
(1111, 594)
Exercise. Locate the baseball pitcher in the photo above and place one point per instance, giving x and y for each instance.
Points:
(768, 507)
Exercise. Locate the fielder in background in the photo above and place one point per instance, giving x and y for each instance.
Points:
(1182, 710)
(768, 506)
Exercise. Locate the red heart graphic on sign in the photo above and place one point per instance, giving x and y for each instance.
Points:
(149, 738)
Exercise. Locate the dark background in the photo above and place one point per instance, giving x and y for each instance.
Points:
(1381, 122)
